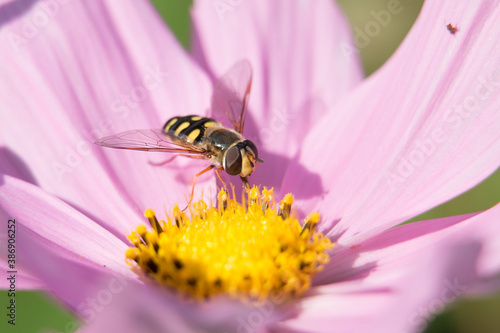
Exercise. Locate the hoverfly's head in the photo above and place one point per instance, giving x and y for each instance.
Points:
(241, 159)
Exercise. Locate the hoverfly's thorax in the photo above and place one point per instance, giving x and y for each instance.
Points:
(189, 128)
(220, 139)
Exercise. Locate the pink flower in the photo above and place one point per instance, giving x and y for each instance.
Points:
(367, 155)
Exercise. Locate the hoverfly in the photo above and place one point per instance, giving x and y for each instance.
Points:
(201, 137)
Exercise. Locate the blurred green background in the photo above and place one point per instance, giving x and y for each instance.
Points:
(37, 313)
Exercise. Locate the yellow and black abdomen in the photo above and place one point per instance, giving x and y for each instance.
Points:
(188, 128)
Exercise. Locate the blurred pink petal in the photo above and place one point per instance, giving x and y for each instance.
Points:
(412, 271)
(410, 239)
(350, 262)
(397, 151)
(299, 70)
(24, 280)
(127, 72)
(45, 222)
(84, 289)
(141, 309)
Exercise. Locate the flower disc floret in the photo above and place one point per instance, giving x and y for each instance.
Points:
(248, 251)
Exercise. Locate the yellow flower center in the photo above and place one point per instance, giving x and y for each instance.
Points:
(247, 251)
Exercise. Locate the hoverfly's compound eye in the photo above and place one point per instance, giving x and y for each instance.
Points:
(233, 161)
(252, 146)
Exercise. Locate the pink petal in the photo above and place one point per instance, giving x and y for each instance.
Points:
(49, 234)
(348, 262)
(117, 68)
(72, 279)
(139, 309)
(403, 277)
(131, 311)
(394, 150)
(23, 279)
(299, 70)
(146, 309)
(402, 241)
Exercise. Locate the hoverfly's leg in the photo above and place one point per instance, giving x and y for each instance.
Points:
(194, 182)
(244, 180)
(164, 162)
(220, 178)
(197, 157)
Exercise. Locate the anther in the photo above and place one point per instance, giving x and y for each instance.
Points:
(200, 208)
(222, 196)
(141, 234)
(150, 215)
(152, 266)
(285, 206)
(267, 197)
(178, 264)
(253, 195)
(133, 253)
(310, 222)
(177, 216)
(152, 240)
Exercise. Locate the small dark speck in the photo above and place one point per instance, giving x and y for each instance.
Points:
(452, 29)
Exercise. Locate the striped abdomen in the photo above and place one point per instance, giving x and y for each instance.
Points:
(188, 128)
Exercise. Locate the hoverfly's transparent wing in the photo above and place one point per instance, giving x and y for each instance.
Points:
(149, 140)
(230, 96)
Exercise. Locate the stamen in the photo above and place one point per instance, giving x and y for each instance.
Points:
(253, 196)
(178, 217)
(311, 222)
(223, 199)
(285, 206)
(153, 221)
(248, 252)
(267, 198)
